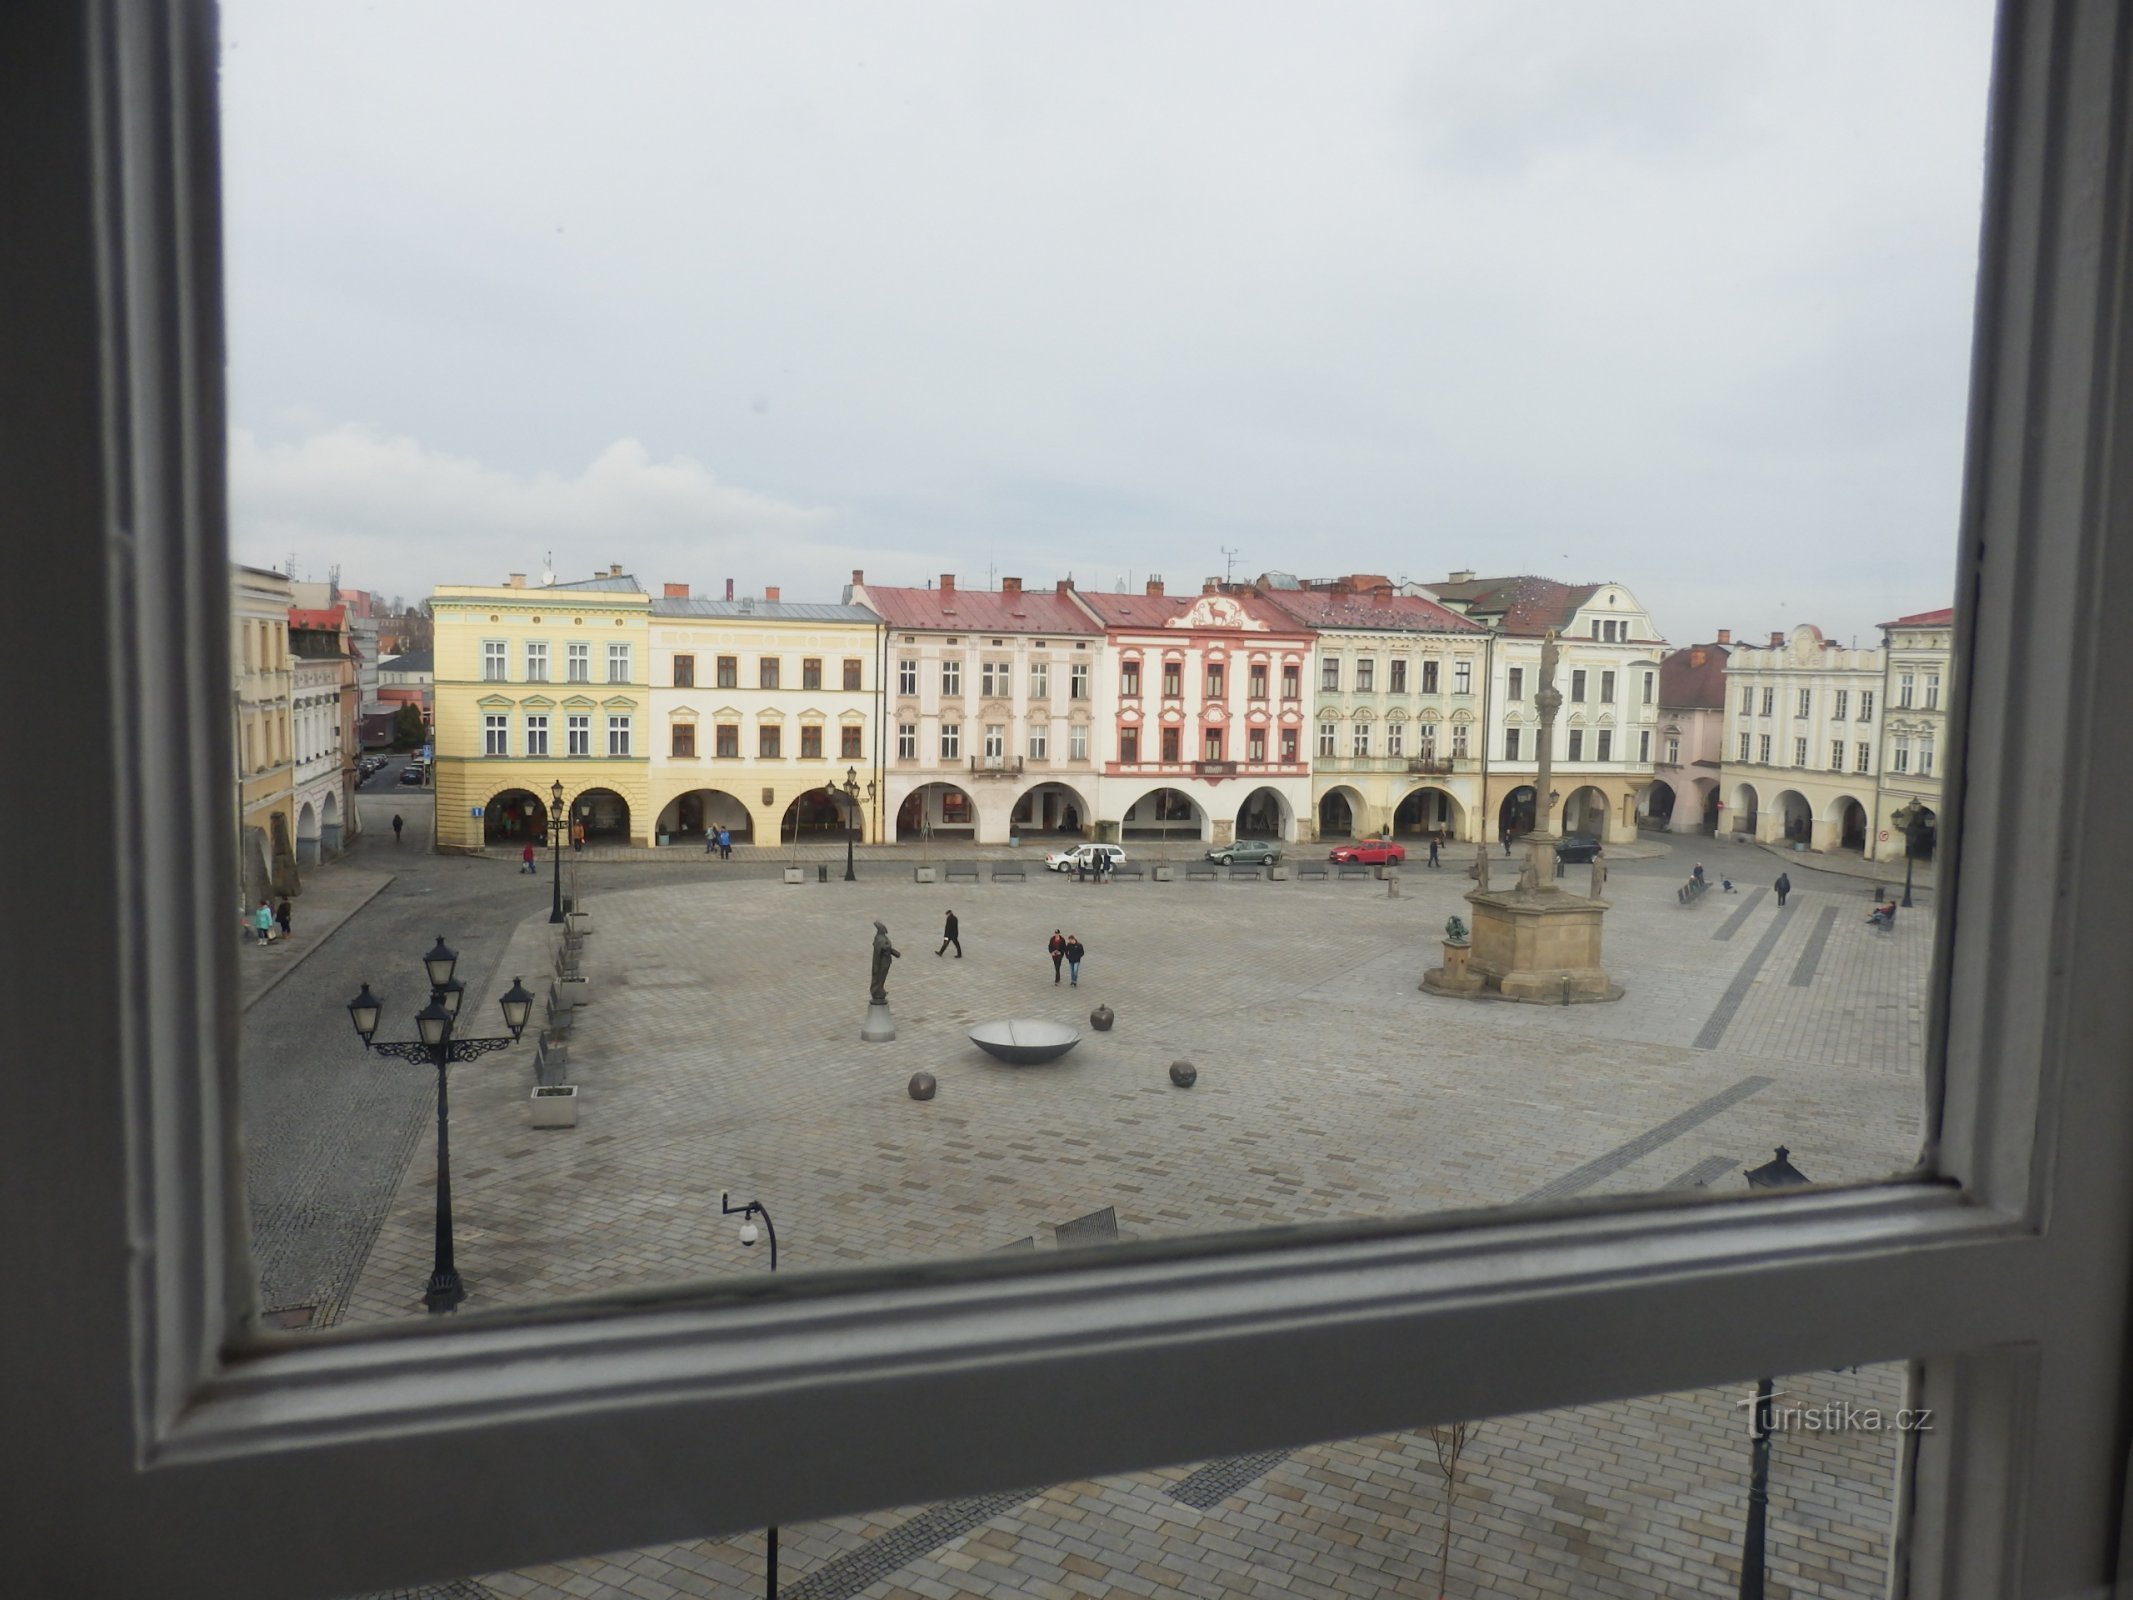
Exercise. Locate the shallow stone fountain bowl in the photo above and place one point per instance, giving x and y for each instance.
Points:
(1022, 1042)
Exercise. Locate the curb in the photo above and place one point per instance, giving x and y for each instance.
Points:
(296, 961)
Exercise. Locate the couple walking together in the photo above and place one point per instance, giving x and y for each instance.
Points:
(1065, 948)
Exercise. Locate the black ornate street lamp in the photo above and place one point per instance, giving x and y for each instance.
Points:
(436, 1047)
(1778, 1174)
(558, 825)
(853, 794)
(1907, 818)
(748, 1213)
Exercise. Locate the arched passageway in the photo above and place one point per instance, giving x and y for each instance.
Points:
(1584, 811)
(1655, 806)
(1052, 808)
(1429, 812)
(936, 808)
(1796, 818)
(1745, 814)
(1164, 814)
(687, 816)
(515, 816)
(602, 813)
(1339, 814)
(816, 814)
(1265, 815)
(1515, 816)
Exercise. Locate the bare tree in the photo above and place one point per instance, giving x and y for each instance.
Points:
(1449, 1439)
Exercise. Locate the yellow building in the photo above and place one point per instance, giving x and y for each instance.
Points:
(536, 684)
(762, 710)
(260, 677)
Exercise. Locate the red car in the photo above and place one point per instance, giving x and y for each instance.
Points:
(1371, 852)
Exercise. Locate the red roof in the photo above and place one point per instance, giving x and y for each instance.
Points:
(1526, 605)
(326, 619)
(1150, 611)
(1923, 619)
(1349, 608)
(1686, 685)
(978, 610)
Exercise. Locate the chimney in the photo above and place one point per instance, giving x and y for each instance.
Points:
(677, 591)
(729, 588)
(1010, 586)
(1725, 635)
(770, 592)
(1777, 639)
(1062, 586)
(858, 577)
(1155, 583)
(1210, 586)
(1696, 655)
(517, 580)
(947, 583)
(1465, 576)
(614, 569)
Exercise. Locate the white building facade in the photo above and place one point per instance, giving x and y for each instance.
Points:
(1802, 722)
(1920, 651)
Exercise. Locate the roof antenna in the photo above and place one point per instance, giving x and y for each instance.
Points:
(1229, 563)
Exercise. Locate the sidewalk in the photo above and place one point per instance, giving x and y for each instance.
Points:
(332, 894)
(1030, 851)
(1889, 873)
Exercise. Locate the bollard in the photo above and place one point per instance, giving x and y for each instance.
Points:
(822, 873)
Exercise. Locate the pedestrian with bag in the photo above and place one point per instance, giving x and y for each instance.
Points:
(285, 916)
(1783, 886)
(525, 857)
(1074, 953)
(951, 935)
(1055, 947)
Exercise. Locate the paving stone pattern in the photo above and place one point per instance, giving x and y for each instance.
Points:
(721, 1053)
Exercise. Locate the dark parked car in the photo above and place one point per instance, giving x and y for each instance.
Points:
(412, 774)
(1574, 848)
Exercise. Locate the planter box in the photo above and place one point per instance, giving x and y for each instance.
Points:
(924, 874)
(795, 874)
(578, 990)
(1277, 873)
(556, 1106)
(580, 923)
(1164, 873)
(1388, 870)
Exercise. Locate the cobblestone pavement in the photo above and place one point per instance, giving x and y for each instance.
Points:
(720, 1054)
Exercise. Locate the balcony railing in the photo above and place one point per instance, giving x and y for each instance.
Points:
(1440, 765)
(1209, 769)
(996, 766)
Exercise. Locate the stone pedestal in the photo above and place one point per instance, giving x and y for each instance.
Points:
(1453, 977)
(1534, 941)
(879, 1027)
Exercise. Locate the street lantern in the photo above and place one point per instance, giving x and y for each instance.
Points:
(434, 1023)
(1777, 1174)
(363, 1012)
(518, 1005)
(558, 825)
(853, 794)
(439, 963)
(1907, 817)
(749, 1235)
(449, 996)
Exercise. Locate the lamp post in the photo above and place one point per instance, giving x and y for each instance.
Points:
(748, 1213)
(1906, 818)
(558, 825)
(436, 1046)
(1778, 1174)
(853, 794)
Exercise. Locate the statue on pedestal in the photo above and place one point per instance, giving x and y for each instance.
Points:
(884, 953)
(1599, 876)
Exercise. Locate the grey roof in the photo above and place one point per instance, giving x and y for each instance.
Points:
(621, 585)
(413, 661)
(771, 610)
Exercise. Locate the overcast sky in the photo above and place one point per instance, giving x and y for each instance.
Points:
(1671, 295)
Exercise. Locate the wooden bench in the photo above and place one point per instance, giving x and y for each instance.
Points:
(1124, 871)
(1692, 891)
(1236, 871)
(960, 869)
(1008, 872)
(1353, 869)
(1203, 869)
(1311, 869)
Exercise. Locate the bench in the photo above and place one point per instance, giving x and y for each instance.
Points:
(1203, 869)
(1311, 869)
(1124, 871)
(1353, 869)
(960, 869)
(1236, 871)
(1692, 891)
(1008, 872)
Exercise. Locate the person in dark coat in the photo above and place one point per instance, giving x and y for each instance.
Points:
(1783, 887)
(285, 916)
(1055, 947)
(1074, 953)
(950, 931)
(1433, 850)
(398, 824)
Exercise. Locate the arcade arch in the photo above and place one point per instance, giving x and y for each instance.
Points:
(936, 808)
(1340, 813)
(688, 815)
(1163, 814)
(1428, 809)
(1266, 814)
(514, 816)
(1052, 807)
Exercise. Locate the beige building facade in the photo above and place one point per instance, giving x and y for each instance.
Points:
(262, 676)
(1802, 720)
(1920, 661)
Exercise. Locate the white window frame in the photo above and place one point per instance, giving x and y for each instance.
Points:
(618, 734)
(907, 741)
(951, 741)
(1040, 741)
(1329, 737)
(1395, 739)
(536, 660)
(577, 733)
(1078, 680)
(618, 662)
(995, 741)
(496, 661)
(1040, 680)
(1078, 742)
(1864, 760)
(1866, 705)
(577, 662)
(1459, 731)
(1744, 746)
(1359, 740)
(148, 1404)
(951, 679)
(496, 733)
(1799, 750)
(907, 675)
(537, 733)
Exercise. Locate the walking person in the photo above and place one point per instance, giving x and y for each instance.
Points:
(1783, 887)
(1506, 841)
(1433, 850)
(285, 916)
(525, 857)
(397, 825)
(950, 935)
(1055, 947)
(577, 836)
(1074, 953)
(710, 841)
(263, 923)
(725, 844)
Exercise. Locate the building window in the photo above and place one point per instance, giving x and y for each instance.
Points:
(1396, 680)
(1255, 681)
(1651, 684)
(1078, 680)
(618, 663)
(1864, 757)
(1763, 750)
(1173, 680)
(951, 741)
(854, 674)
(685, 672)
(1040, 680)
(906, 675)
(1866, 705)
(1129, 745)
(536, 660)
(1925, 755)
(1288, 745)
(1291, 681)
(1644, 747)
(729, 672)
(1396, 738)
(1329, 675)
(1426, 741)
(1211, 744)
(1932, 691)
(1577, 744)
(1900, 756)
(1510, 743)
(1903, 692)
(1836, 755)
(766, 673)
(1214, 683)
(1328, 738)
(1607, 688)
(537, 736)
(577, 663)
(811, 741)
(1040, 741)
(907, 741)
(1799, 752)
(1462, 676)
(1577, 683)
(769, 742)
(1807, 703)
(1129, 680)
(1255, 744)
(578, 735)
(1842, 707)
(729, 741)
(1078, 742)
(1172, 742)
(1770, 702)
(1605, 745)
(993, 678)
(1747, 702)
(810, 672)
(1744, 747)
(1515, 677)
(618, 735)
(1673, 750)
(1366, 675)
(851, 742)
(1458, 740)
(1359, 739)
(952, 679)
(495, 735)
(685, 740)
(493, 669)
(995, 742)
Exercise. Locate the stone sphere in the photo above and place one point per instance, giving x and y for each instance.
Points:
(1101, 1019)
(1184, 1074)
(922, 1086)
